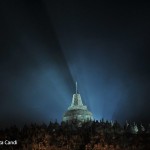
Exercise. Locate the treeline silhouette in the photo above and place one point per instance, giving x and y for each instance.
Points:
(93, 135)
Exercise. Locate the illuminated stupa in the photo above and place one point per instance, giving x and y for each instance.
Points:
(77, 111)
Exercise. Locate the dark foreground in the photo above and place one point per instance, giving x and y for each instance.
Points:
(90, 136)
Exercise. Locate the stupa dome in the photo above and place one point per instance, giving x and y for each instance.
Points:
(77, 111)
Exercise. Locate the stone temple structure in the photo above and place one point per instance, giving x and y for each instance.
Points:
(77, 111)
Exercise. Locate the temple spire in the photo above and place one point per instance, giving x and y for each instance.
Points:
(76, 87)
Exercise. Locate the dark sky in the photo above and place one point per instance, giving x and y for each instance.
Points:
(45, 46)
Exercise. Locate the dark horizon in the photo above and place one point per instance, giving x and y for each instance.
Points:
(46, 46)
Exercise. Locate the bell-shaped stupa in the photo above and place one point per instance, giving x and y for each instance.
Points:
(77, 111)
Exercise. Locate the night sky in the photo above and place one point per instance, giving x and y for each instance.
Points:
(45, 46)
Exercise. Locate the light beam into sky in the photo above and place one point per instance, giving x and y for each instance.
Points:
(46, 46)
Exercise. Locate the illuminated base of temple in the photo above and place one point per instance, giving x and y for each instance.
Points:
(77, 114)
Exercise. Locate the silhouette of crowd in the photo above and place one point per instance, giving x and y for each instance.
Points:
(94, 135)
